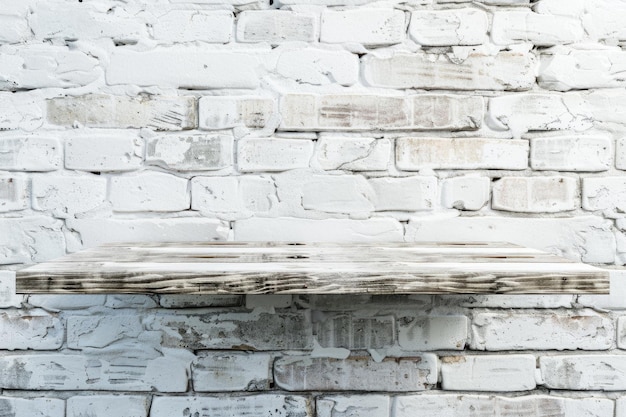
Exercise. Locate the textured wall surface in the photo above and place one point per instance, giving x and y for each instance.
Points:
(335, 120)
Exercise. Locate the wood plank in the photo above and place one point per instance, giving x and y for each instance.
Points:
(284, 268)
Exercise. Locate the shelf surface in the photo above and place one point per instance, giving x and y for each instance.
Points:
(312, 268)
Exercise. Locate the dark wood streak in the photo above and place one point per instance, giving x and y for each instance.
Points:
(288, 268)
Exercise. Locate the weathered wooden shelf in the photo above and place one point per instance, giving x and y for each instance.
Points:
(312, 268)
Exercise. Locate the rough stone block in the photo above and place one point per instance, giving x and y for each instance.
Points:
(14, 29)
(449, 27)
(8, 298)
(232, 371)
(499, 373)
(183, 66)
(13, 193)
(224, 112)
(419, 333)
(605, 193)
(356, 373)
(101, 331)
(273, 154)
(104, 152)
(353, 405)
(277, 26)
(275, 405)
(36, 407)
(190, 152)
(319, 66)
(383, 26)
(509, 27)
(571, 153)
(149, 191)
(404, 194)
(36, 330)
(98, 110)
(21, 110)
(542, 330)
(214, 26)
(584, 372)
(536, 194)
(338, 194)
(352, 331)
(416, 153)
(504, 71)
(66, 196)
(30, 153)
(58, 302)
(30, 239)
(337, 112)
(45, 66)
(95, 232)
(353, 154)
(466, 192)
(238, 195)
(107, 406)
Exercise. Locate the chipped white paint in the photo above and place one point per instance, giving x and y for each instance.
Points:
(499, 373)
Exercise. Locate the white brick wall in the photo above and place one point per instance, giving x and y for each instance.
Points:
(312, 120)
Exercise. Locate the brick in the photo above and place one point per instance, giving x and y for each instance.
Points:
(273, 154)
(499, 373)
(114, 370)
(520, 113)
(351, 331)
(319, 66)
(583, 330)
(253, 406)
(224, 112)
(38, 407)
(381, 26)
(616, 300)
(571, 153)
(550, 194)
(85, 21)
(337, 194)
(58, 302)
(604, 21)
(232, 371)
(36, 330)
(449, 27)
(190, 152)
(340, 230)
(149, 191)
(620, 407)
(539, 29)
(356, 373)
(8, 298)
(30, 239)
(504, 71)
(605, 193)
(108, 405)
(66, 196)
(419, 333)
(584, 372)
(268, 301)
(582, 69)
(203, 300)
(404, 194)
(30, 153)
(277, 26)
(98, 110)
(194, 25)
(233, 330)
(183, 67)
(104, 152)
(416, 153)
(13, 193)
(353, 154)
(99, 332)
(509, 300)
(95, 232)
(338, 112)
(621, 332)
(353, 405)
(620, 153)
(45, 66)
(466, 192)
(489, 405)
(244, 194)
(586, 238)
(131, 301)
(20, 110)
(14, 29)
(606, 108)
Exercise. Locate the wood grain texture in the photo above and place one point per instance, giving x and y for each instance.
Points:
(312, 268)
